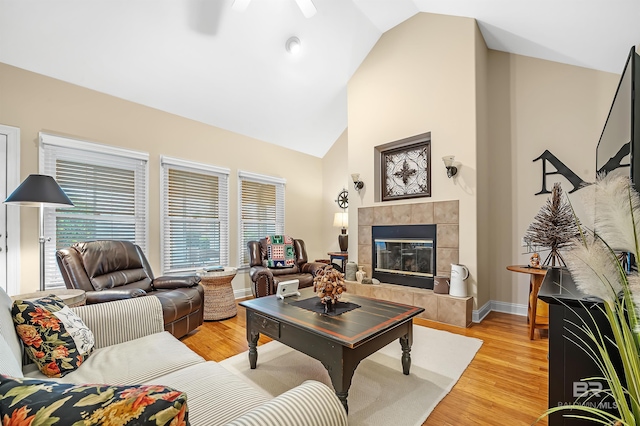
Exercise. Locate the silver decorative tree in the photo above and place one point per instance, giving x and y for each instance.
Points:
(554, 227)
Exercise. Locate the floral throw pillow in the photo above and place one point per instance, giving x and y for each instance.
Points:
(32, 401)
(55, 338)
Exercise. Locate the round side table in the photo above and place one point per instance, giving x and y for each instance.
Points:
(219, 302)
(538, 311)
(70, 297)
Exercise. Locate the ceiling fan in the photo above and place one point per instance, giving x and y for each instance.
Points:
(306, 6)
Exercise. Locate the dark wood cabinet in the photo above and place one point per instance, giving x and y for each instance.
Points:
(569, 364)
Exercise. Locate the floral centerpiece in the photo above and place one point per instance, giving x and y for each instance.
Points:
(599, 270)
(329, 286)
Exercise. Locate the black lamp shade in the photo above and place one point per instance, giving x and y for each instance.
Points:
(39, 190)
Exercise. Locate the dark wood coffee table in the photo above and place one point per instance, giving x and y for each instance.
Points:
(339, 342)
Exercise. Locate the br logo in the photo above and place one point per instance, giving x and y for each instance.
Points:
(586, 389)
(548, 158)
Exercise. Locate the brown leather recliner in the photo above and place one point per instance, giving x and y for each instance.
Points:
(265, 280)
(113, 270)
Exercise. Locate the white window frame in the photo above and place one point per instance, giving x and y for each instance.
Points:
(223, 206)
(55, 280)
(280, 184)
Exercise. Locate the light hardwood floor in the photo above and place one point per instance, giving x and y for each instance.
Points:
(505, 384)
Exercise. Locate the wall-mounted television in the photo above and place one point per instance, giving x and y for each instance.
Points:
(618, 150)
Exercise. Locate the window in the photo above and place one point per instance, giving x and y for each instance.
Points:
(261, 210)
(195, 215)
(108, 187)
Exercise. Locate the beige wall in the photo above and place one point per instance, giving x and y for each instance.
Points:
(483, 163)
(501, 183)
(36, 103)
(420, 77)
(495, 112)
(536, 105)
(334, 178)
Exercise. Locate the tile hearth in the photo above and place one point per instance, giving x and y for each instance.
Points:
(437, 307)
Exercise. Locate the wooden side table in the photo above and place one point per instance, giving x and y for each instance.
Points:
(219, 302)
(341, 255)
(538, 310)
(71, 297)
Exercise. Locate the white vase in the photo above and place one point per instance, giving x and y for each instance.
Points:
(360, 274)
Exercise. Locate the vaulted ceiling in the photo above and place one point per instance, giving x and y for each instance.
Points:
(207, 61)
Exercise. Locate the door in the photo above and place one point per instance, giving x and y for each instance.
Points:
(9, 215)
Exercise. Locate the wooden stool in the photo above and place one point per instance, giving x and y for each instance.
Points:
(219, 301)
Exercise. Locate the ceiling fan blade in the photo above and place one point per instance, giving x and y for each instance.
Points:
(307, 7)
(240, 5)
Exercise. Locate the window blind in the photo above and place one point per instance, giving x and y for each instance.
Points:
(261, 210)
(108, 187)
(195, 215)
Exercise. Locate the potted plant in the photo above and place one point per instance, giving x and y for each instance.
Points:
(329, 286)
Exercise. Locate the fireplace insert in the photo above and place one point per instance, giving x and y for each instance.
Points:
(404, 254)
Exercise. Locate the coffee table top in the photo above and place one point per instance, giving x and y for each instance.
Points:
(350, 329)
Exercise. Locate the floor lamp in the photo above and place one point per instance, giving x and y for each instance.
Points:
(39, 191)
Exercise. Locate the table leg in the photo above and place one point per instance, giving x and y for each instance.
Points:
(253, 349)
(341, 372)
(536, 283)
(406, 341)
(529, 307)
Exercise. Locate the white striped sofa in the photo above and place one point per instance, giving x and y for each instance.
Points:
(134, 349)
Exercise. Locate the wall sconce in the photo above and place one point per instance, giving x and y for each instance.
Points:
(357, 183)
(448, 163)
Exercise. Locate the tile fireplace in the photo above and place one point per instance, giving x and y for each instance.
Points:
(404, 254)
(443, 214)
(444, 217)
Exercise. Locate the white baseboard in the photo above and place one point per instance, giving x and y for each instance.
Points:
(239, 294)
(498, 306)
(509, 308)
(478, 315)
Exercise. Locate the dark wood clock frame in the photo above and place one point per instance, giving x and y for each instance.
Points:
(410, 181)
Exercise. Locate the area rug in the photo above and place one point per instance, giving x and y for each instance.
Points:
(380, 394)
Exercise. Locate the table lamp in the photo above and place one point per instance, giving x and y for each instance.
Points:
(39, 191)
(341, 220)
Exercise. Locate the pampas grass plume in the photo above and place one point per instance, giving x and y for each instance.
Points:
(594, 269)
(615, 217)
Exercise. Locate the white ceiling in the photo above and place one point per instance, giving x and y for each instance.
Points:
(203, 60)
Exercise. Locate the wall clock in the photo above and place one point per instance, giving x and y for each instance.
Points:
(343, 199)
(406, 171)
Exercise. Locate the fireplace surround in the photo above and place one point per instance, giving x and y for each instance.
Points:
(443, 214)
(404, 254)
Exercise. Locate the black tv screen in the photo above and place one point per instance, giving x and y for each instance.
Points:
(618, 150)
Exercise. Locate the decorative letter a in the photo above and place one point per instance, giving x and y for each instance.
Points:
(561, 169)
